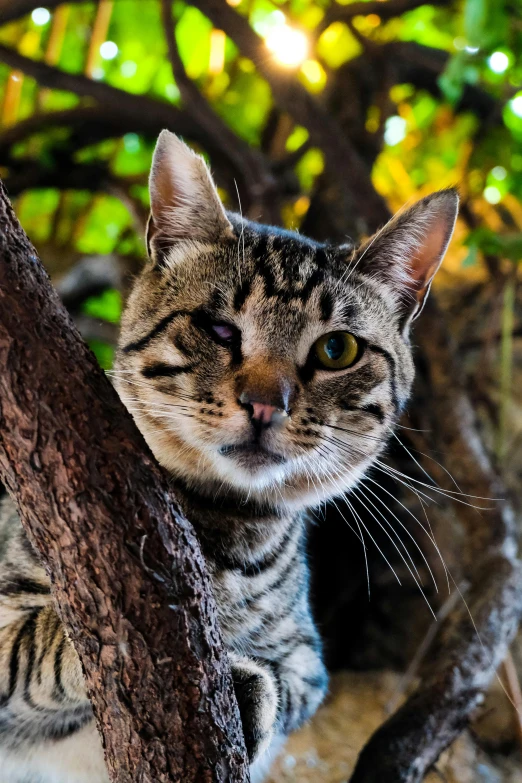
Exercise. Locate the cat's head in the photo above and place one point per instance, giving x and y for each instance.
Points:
(256, 359)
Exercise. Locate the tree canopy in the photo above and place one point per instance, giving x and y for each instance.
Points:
(422, 96)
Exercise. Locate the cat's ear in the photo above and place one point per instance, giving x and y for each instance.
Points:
(407, 252)
(184, 201)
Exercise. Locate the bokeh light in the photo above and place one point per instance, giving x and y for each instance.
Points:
(217, 51)
(492, 194)
(395, 130)
(516, 105)
(108, 50)
(499, 173)
(129, 69)
(40, 16)
(498, 62)
(289, 46)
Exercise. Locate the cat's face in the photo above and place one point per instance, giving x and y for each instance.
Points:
(257, 359)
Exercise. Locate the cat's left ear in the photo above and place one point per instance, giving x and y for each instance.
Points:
(184, 201)
(407, 252)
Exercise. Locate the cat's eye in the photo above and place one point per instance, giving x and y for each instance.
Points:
(224, 333)
(336, 350)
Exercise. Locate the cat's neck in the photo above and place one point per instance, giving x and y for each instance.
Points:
(233, 529)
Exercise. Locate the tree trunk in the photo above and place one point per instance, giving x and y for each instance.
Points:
(128, 576)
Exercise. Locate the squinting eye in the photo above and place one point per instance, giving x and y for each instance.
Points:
(224, 332)
(336, 350)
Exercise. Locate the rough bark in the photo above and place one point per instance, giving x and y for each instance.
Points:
(129, 579)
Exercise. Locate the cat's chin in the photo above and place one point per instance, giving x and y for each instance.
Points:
(249, 468)
(251, 457)
(258, 474)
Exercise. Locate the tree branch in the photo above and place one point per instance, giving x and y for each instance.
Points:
(158, 112)
(89, 124)
(474, 640)
(341, 157)
(247, 165)
(11, 10)
(387, 10)
(257, 177)
(128, 576)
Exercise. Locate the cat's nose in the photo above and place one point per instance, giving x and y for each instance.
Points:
(266, 391)
(261, 413)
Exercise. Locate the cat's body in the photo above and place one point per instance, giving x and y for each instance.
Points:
(237, 363)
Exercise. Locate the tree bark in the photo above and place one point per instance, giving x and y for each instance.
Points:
(128, 576)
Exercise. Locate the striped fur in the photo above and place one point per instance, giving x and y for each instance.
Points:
(247, 489)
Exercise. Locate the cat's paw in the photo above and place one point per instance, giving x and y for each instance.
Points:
(257, 698)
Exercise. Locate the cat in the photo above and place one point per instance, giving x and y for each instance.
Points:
(266, 371)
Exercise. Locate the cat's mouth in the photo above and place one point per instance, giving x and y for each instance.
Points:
(251, 455)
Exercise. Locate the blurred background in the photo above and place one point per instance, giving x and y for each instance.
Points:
(324, 117)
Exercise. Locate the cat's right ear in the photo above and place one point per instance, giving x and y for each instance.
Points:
(407, 252)
(184, 202)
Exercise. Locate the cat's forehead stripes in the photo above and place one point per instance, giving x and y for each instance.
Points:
(284, 283)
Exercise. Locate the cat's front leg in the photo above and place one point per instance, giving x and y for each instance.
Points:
(258, 701)
(302, 681)
(276, 697)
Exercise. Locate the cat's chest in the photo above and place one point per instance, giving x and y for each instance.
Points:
(250, 607)
(252, 599)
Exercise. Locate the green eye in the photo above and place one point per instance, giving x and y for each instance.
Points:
(336, 350)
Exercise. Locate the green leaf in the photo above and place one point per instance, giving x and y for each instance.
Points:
(107, 306)
(104, 353)
(475, 21)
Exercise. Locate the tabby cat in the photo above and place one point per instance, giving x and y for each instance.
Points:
(266, 371)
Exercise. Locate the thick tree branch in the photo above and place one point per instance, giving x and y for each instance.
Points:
(128, 576)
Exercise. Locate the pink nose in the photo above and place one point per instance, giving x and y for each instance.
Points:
(263, 413)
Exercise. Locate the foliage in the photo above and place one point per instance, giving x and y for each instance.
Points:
(464, 127)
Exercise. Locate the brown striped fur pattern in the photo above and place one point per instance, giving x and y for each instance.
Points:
(217, 365)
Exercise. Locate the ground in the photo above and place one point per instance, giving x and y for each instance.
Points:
(326, 749)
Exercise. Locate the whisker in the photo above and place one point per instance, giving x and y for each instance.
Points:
(357, 433)
(448, 493)
(427, 457)
(395, 532)
(400, 553)
(364, 548)
(408, 532)
(352, 509)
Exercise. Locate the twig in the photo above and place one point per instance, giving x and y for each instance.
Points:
(514, 691)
